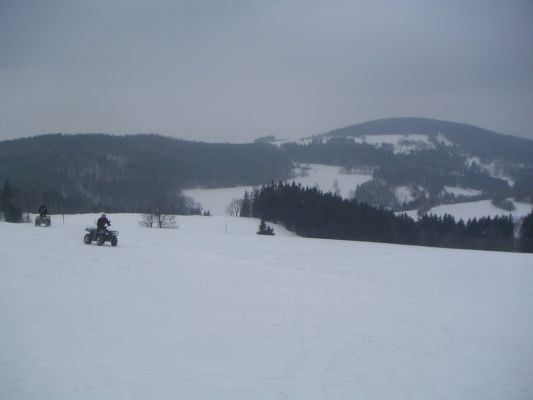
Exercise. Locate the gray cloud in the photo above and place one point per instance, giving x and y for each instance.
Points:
(235, 70)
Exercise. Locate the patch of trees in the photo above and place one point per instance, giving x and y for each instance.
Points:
(526, 234)
(94, 172)
(310, 212)
(486, 144)
(377, 193)
(9, 210)
(428, 170)
(523, 187)
(433, 169)
(339, 151)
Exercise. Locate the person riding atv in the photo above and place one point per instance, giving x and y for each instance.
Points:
(102, 223)
(43, 218)
(101, 234)
(43, 211)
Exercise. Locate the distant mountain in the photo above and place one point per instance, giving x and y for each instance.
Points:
(476, 141)
(420, 162)
(127, 173)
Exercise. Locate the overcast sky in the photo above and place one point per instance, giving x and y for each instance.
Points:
(236, 70)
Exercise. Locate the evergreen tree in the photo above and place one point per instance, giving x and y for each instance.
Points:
(264, 229)
(526, 234)
(6, 195)
(13, 213)
(10, 211)
(246, 205)
(311, 213)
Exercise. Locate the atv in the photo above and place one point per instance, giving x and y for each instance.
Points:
(101, 236)
(43, 220)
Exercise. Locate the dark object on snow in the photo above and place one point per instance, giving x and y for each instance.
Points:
(43, 220)
(101, 236)
(526, 234)
(264, 229)
(43, 211)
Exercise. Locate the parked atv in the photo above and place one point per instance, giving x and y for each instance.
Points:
(43, 220)
(101, 236)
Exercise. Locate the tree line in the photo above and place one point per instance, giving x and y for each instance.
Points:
(430, 169)
(94, 172)
(9, 210)
(310, 212)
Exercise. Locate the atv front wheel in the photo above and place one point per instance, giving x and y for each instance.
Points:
(114, 242)
(100, 240)
(88, 238)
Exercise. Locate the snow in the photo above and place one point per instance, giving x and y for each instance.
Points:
(403, 194)
(443, 140)
(396, 139)
(460, 191)
(217, 200)
(322, 176)
(211, 310)
(402, 143)
(495, 169)
(325, 176)
(476, 209)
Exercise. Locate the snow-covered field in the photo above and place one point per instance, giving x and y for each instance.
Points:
(323, 176)
(476, 209)
(328, 178)
(401, 143)
(460, 191)
(213, 311)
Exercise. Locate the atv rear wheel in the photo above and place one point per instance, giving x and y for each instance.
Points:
(88, 238)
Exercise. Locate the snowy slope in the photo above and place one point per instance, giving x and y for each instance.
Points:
(400, 143)
(476, 209)
(323, 176)
(213, 311)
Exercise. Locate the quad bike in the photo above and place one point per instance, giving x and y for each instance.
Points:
(43, 220)
(101, 236)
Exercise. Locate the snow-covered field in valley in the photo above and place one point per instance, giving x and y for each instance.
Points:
(476, 209)
(327, 178)
(213, 311)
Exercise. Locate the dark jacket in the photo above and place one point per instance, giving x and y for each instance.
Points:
(43, 210)
(102, 223)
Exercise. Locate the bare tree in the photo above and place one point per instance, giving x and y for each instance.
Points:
(234, 207)
(162, 216)
(165, 220)
(147, 221)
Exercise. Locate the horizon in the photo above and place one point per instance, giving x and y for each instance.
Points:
(233, 71)
(257, 137)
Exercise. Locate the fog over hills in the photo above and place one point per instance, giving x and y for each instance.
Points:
(428, 162)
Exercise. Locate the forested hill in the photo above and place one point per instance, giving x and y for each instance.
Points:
(125, 173)
(471, 139)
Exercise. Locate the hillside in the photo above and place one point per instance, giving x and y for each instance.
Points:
(325, 177)
(420, 163)
(414, 163)
(211, 310)
(483, 143)
(127, 173)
